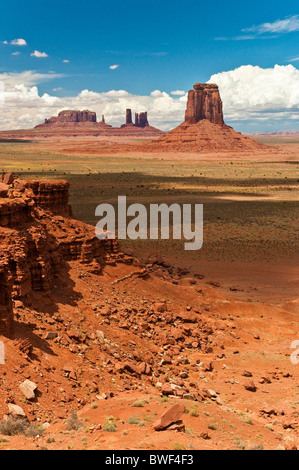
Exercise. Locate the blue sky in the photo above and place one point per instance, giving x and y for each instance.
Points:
(157, 45)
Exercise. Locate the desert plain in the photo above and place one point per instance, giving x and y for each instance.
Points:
(210, 330)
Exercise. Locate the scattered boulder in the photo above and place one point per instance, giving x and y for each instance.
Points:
(16, 411)
(246, 373)
(70, 372)
(250, 386)
(51, 335)
(8, 178)
(170, 417)
(28, 389)
(204, 102)
(167, 389)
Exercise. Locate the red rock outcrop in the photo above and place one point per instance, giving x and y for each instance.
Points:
(204, 102)
(143, 122)
(204, 129)
(129, 117)
(37, 238)
(73, 116)
(84, 123)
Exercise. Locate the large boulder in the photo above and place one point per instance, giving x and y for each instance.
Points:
(171, 416)
(28, 389)
(4, 190)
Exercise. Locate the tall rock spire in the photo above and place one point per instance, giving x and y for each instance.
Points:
(204, 102)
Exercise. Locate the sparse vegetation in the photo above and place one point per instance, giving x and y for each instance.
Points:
(178, 446)
(194, 412)
(73, 423)
(110, 427)
(13, 427)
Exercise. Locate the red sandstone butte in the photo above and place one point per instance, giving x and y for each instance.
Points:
(204, 102)
(73, 116)
(204, 129)
(84, 123)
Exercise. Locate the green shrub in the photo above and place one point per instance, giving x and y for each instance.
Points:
(138, 404)
(110, 427)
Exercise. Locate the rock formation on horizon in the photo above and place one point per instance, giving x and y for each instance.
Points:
(73, 116)
(204, 129)
(129, 117)
(84, 123)
(141, 120)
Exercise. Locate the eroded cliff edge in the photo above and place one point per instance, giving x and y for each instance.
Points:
(38, 236)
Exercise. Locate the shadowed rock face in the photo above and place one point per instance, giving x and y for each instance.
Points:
(37, 238)
(140, 119)
(129, 116)
(204, 102)
(6, 309)
(204, 129)
(143, 122)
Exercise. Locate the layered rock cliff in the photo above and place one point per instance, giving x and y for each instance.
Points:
(73, 116)
(204, 102)
(141, 120)
(37, 239)
(84, 123)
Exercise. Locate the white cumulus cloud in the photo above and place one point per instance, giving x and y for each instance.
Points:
(178, 93)
(254, 99)
(256, 94)
(39, 54)
(18, 42)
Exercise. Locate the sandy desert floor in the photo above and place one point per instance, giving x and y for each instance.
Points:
(243, 284)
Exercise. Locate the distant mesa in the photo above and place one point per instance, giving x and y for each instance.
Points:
(73, 116)
(70, 118)
(204, 129)
(204, 102)
(85, 123)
